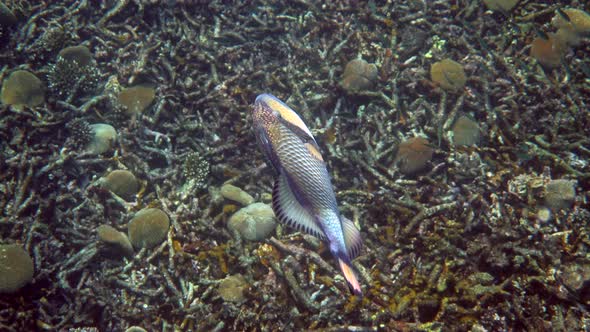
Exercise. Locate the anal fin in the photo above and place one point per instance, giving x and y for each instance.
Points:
(290, 212)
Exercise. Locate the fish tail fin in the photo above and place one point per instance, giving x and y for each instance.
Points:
(348, 273)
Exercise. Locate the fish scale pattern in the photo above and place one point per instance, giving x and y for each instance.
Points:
(309, 174)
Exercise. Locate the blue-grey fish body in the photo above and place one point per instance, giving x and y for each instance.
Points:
(302, 195)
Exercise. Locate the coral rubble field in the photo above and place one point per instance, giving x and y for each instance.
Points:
(133, 194)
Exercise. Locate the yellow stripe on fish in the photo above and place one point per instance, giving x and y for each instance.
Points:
(313, 150)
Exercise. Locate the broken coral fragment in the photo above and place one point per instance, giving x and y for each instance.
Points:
(231, 192)
(22, 88)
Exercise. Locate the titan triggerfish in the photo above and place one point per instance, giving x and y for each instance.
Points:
(303, 196)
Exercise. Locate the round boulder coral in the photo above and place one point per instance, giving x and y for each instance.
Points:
(103, 138)
(573, 27)
(413, 155)
(122, 182)
(448, 74)
(359, 75)
(549, 52)
(22, 88)
(560, 194)
(115, 239)
(466, 132)
(255, 222)
(16, 268)
(137, 98)
(135, 329)
(74, 71)
(148, 228)
(231, 289)
(500, 5)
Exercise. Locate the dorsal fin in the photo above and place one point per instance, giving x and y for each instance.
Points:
(290, 212)
(352, 237)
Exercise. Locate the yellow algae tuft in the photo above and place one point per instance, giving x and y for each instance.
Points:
(448, 74)
(137, 98)
(22, 88)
